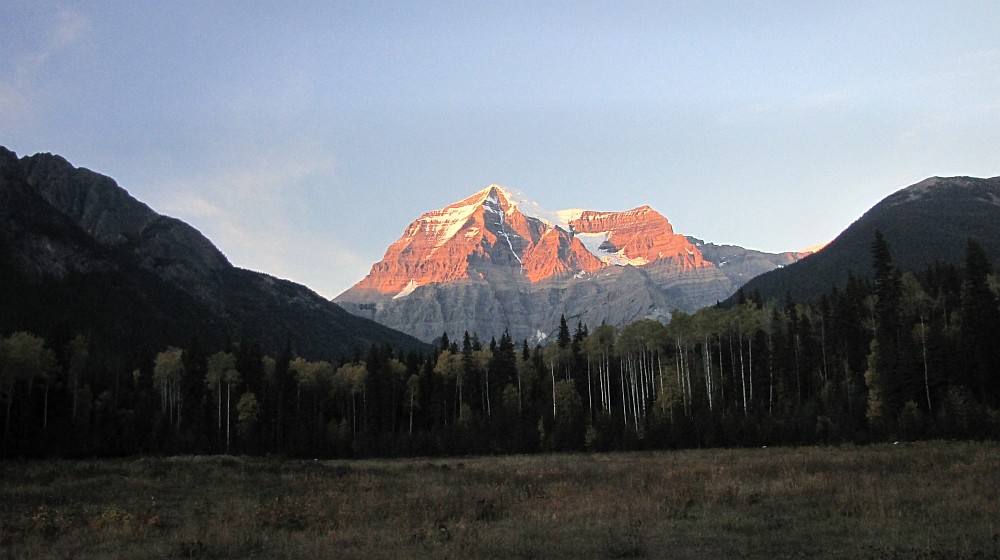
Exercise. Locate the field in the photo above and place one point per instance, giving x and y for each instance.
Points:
(920, 500)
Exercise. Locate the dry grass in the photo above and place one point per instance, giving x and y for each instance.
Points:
(924, 500)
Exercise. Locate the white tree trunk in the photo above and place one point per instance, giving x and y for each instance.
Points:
(229, 415)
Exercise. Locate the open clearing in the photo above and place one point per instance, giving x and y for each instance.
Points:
(924, 500)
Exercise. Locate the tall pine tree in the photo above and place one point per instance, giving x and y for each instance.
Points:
(883, 376)
(980, 316)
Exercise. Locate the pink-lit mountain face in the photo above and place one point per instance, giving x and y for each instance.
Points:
(496, 261)
(484, 234)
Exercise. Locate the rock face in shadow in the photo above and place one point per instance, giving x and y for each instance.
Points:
(79, 254)
(483, 265)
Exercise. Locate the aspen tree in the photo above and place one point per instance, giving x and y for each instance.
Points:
(219, 366)
(23, 356)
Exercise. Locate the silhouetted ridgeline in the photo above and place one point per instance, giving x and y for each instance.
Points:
(925, 224)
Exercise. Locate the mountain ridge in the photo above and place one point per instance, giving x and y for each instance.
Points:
(925, 223)
(483, 265)
(81, 254)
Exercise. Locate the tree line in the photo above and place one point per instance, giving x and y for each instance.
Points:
(896, 356)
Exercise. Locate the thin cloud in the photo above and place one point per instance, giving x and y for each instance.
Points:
(71, 27)
(252, 207)
(193, 205)
(12, 102)
(21, 88)
(68, 30)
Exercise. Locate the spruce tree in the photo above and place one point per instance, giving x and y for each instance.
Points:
(980, 322)
(563, 338)
(883, 376)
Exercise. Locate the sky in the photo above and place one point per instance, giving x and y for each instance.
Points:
(303, 137)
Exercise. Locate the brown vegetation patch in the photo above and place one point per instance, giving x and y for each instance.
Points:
(926, 500)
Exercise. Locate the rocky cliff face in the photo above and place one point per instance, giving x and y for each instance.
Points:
(636, 237)
(495, 262)
(176, 251)
(483, 235)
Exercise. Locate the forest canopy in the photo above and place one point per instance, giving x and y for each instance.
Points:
(895, 356)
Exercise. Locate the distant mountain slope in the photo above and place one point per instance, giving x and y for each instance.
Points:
(741, 265)
(78, 254)
(925, 223)
(497, 261)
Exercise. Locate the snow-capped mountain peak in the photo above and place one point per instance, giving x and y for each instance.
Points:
(501, 231)
(533, 209)
(498, 256)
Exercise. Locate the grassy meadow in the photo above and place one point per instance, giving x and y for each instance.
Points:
(919, 500)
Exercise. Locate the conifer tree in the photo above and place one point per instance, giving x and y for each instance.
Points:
(980, 321)
(563, 338)
(883, 376)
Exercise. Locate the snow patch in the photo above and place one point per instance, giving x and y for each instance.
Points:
(570, 215)
(593, 241)
(596, 216)
(407, 290)
(509, 244)
(445, 224)
(492, 203)
(506, 237)
(532, 209)
(620, 259)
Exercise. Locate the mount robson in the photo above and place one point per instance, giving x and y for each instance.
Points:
(497, 261)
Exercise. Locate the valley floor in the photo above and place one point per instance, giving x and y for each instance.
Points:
(925, 500)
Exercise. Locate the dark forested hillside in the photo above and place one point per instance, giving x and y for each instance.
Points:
(78, 255)
(926, 223)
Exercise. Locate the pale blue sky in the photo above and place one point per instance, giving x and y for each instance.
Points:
(303, 140)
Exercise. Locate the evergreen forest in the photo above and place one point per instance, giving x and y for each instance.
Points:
(898, 356)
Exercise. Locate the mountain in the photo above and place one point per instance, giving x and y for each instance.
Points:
(924, 224)
(78, 254)
(497, 261)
